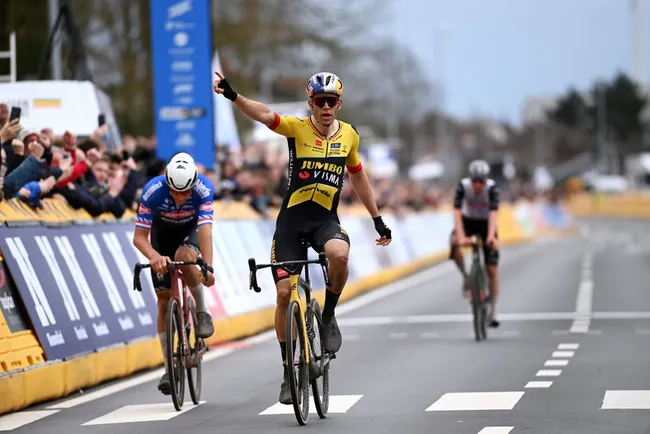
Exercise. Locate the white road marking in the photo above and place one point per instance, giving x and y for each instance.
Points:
(511, 333)
(429, 335)
(626, 400)
(538, 384)
(548, 373)
(12, 421)
(594, 332)
(568, 346)
(556, 362)
(141, 413)
(584, 298)
(476, 401)
(337, 404)
(398, 335)
(496, 430)
(561, 354)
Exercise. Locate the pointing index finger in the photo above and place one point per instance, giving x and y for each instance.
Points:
(219, 74)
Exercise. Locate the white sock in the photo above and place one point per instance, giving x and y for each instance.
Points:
(163, 344)
(199, 298)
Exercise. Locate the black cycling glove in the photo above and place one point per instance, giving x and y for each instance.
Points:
(381, 227)
(228, 92)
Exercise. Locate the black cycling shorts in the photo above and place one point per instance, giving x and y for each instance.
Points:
(287, 242)
(479, 227)
(167, 240)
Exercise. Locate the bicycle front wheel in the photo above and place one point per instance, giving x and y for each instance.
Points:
(194, 372)
(319, 370)
(477, 305)
(298, 369)
(175, 365)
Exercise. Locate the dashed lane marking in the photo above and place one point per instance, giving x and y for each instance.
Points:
(12, 421)
(141, 413)
(337, 404)
(473, 401)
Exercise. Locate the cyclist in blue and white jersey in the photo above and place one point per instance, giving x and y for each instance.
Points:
(177, 210)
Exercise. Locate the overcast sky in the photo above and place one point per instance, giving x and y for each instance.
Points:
(500, 51)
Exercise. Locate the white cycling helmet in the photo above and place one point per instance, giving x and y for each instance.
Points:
(479, 169)
(324, 82)
(181, 173)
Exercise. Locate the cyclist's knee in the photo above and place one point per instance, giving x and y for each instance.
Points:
(185, 254)
(337, 252)
(283, 288)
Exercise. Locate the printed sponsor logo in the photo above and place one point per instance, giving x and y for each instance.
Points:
(143, 209)
(151, 190)
(178, 214)
(317, 165)
(203, 189)
(282, 272)
(207, 207)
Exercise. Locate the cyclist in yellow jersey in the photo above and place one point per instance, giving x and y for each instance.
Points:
(320, 146)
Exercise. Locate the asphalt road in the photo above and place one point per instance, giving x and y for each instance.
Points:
(572, 355)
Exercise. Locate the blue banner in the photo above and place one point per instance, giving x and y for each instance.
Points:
(76, 284)
(182, 77)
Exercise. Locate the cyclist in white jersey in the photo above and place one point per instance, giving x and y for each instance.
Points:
(476, 204)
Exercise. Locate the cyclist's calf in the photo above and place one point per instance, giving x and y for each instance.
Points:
(163, 301)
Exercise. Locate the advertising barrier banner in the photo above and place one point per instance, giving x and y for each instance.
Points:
(10, 302)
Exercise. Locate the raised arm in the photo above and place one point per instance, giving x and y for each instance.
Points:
(255, 110)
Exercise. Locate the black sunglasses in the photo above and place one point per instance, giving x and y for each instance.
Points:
(321, 100)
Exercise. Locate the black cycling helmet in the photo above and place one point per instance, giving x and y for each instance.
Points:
(479, 169)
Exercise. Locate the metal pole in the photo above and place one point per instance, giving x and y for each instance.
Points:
(56, 65)
(13, 68)
(602, 128)
(639, 51)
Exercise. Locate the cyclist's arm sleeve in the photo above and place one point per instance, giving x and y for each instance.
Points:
(146, 207)
(206, 209)
(494, 198)
(283, 125)
(353, 161)
(459, 195)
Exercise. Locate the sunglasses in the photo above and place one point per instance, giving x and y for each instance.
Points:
(321, 100)
(478, 181)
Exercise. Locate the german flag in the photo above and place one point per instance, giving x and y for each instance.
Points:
(47, 103)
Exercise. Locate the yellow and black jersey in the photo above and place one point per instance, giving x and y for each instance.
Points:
(316, 165)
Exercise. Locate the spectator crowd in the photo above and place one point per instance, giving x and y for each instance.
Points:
(39, 164)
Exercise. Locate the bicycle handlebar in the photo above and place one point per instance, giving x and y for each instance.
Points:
(253, 267)
(199, 261)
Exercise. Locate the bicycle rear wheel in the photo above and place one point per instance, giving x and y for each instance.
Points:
(175, 362)
(298, 370)
(194, 373)
(320, 385)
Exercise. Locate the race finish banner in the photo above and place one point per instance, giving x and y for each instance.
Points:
(181, 41)
(76, 285)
